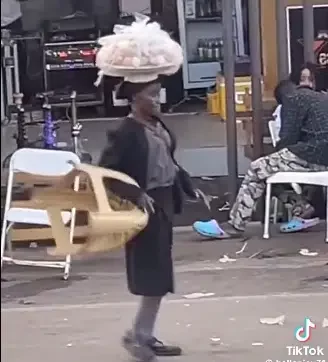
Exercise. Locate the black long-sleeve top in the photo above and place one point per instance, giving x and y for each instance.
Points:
(304, 129)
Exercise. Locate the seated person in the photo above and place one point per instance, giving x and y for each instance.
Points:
(312, 75)
(303, 146)
(304, 75)
(302, 210)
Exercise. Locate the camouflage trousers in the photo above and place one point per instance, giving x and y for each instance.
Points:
(253, 185)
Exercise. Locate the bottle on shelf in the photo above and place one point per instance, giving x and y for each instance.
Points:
(219, 6)
(201, 50)
(216, 7)
(200, 9)
(217, 53)
(209, 49)
(190, 9)
(209, 10)
(221, 49)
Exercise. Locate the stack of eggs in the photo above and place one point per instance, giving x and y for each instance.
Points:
(141, 48)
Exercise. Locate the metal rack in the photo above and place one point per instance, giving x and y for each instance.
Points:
(79, 68)
(10, 85)
(197, 25)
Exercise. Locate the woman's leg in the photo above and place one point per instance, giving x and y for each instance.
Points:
(252, 189)
(253, 185)
(140, 342)
(146, 318)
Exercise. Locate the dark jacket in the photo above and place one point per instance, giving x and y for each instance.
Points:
(304, 125)
(148, 256)
(127, 152)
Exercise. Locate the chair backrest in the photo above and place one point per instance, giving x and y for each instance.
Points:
(43, 162)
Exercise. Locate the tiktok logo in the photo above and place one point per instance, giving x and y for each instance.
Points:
(303, 333)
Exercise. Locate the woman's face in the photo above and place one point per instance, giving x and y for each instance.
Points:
(307, 78)
(148, 100)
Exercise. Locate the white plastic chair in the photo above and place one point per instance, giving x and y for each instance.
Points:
(38, 162)
(309, 178)
(274, 134)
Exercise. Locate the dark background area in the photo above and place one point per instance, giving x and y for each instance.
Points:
(107, 13)
(296, 37)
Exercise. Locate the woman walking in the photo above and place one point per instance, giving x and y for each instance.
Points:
(143, 148)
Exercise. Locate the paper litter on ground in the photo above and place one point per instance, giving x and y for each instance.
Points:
(242, 249)
(307, 252)
(257, 344)
(198, 295)
(215, 339)
(226, 259)
(274, 321)
(325, 323)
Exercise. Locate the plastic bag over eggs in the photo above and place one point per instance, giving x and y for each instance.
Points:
(139, 46)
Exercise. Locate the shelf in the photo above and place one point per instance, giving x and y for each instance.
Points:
(195, 61)
(204, 19)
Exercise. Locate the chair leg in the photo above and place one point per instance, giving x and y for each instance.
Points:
(3, 238)
(326, 214)
(68, 259)
(275, 210)
(67, 267)
(267, 212)
(8, 239)
(5, 213)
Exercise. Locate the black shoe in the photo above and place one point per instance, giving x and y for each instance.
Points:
(162, 350)
(141, 351)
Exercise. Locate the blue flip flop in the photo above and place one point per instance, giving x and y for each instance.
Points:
(210, 229)
(298, 224)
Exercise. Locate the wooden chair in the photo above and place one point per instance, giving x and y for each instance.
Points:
(112, 221)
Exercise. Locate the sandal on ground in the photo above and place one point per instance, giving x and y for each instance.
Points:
(298, 224)
(211, 229)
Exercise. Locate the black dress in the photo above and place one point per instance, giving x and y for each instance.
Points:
(149, 255)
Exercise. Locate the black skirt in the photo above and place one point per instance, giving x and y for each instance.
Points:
(149, 255)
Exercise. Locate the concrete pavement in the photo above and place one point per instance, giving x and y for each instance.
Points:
(45, 318)
(209, 330)
(199, 137)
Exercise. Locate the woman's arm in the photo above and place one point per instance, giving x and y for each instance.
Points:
(113, 157)
(293, 112)
(183, 176)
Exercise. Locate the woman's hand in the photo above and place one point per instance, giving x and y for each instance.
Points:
(145, 202)
(205, 198)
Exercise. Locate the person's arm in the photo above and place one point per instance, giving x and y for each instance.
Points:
(292, 115)
(184, 177)
(113, 157)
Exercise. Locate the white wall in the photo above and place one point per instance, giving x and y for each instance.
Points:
(132, 6)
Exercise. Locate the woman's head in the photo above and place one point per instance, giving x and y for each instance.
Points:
(282, 89)
(144, 97)
(304, 75)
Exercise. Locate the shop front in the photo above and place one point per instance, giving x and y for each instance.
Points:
(201, 36)
(294, 25)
